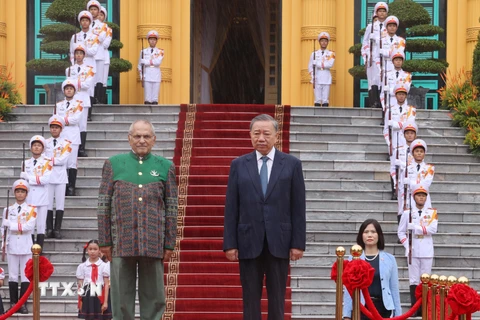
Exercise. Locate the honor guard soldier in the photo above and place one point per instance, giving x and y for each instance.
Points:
(396, 76)
(420, 172)
(395, 118)
(98, 29)
(106, 44)
(86, 39)
(149, 67)
(410, 130)
(420, 223)
(19, 224)
(321, 61)
(372, 41)
(58, 149)
(83, 75)
(391, 43)
(37, 173)
(70, 110)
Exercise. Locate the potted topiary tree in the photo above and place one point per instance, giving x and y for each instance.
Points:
(57, 41)
(415, 26)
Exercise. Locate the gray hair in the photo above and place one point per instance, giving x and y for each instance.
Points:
(130, 130)
(264, 117)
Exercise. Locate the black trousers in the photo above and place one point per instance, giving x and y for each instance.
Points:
(252, 273)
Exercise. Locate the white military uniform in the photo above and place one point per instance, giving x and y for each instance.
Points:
(106, 45)
(400, 115)
(394, 78)
(71, 112)
(425, 222)
(404, 151)
(83, 75)
(59, 151)
(391, 45)
(98, 28)
(373, 72)
(90, 43)
(322, 61)
(152, 59)
(21, 223)
(39, 173)
(421, 173)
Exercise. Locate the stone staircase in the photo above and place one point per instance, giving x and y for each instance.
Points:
(346, 172)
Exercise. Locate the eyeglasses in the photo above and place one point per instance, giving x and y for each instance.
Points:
(138, 137)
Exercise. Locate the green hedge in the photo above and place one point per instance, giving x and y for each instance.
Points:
(358, 72)
(424, 45)
(425, 66)
(58, 31)
(65, 10)
(119, 65)
(409, 13)
(424, 30)
(56, 47)
(48, 66)
(115, 45)
(476, 64)
(356, 49)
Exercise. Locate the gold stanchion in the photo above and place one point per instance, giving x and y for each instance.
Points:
(434, 282)
(463, 280)
(36, 250)
(340, 252)
(425, 278)
(442, 281)
(451, 280)
(356, 252)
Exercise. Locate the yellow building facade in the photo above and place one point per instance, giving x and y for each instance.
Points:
(301, 21)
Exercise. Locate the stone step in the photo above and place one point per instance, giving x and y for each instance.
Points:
(118, 108)
(95, 156)
(387, 205)
(363, 120)
(349, 237)
(96, 126)
(352, 165)
(359, 129)
(97, 143)
(388, 215)
(370, 147)
(299, 270)
(380, 155)
(365, 112)
(298, 136)
(26, 135)
(105, 117)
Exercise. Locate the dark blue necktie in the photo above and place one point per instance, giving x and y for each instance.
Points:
(264, 174)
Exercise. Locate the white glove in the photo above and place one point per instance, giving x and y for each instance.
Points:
(405, 245)
(398, 163)
(411, 226)
(314, 63)
(6, 223)
(24, 175)
(390, 123)
(406, 180)
(375, 37)
(386, 88)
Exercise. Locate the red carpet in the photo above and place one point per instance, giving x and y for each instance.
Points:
(201, 283)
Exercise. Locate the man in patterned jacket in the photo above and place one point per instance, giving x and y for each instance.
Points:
(137, 223)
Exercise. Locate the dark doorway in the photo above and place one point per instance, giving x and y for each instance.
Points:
(238, 76)
(236, 51)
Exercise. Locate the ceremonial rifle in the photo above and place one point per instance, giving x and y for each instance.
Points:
(23, 163)
(405, 185)
(371, 43)
(5, 229)
(397, 169)
(314, 66)
(143, 68)
(387, 96)
(381, 57)
(410, 234)
(43, 131)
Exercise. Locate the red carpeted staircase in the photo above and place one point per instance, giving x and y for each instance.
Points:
(201, 283)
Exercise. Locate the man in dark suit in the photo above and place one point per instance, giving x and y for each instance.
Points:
(264, 219)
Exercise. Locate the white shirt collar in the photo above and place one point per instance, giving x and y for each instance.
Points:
(270, 155)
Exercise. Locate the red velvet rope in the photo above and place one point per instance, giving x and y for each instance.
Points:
(45, 271)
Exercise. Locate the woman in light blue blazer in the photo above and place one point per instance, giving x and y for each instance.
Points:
(384, 289)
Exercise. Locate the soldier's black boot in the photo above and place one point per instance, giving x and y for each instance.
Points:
(382, 122)
(89, 114)
(375, 97)
(13, 288)
(317, 105)
(325, 105)
(49, 233)
(104, 95)
(81, 150)
(413, 300)
(23, 288)
(40, 240)
(66, 187)
(98, 92)
(72, 179)
(58, 224)
(394, 191)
